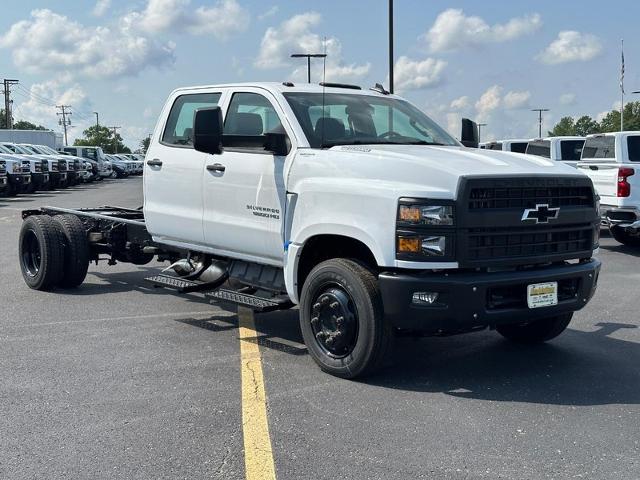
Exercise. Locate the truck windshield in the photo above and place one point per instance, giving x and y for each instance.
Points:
(541, 148)
(599, 147)
(571, 149)
(352, 119)
(45, 150)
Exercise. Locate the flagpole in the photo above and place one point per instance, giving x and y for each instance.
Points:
(622, 86)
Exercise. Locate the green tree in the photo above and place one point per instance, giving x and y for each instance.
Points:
(25, 125)
(566, 126)
(144, 144)
(100, 136)
(586, 125)
(611, 121)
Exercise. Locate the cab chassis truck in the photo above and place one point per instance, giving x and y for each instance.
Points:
(352, 205)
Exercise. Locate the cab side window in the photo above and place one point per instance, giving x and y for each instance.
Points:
(251, 114)
(179, 128)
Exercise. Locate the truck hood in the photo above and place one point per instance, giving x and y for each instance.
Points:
(436, 170)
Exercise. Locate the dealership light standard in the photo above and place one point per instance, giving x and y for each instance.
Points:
(308, 56)
(540, 110)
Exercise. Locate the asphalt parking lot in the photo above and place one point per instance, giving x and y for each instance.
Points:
(119, 380)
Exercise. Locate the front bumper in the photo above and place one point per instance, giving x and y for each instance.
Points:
(4, 184)
(475, 300)
(20, 181)
(40, 180)
(58, 178)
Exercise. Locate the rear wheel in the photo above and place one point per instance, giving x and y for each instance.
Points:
(342, 319)
(41, 252)
(538, 331)
(624, 238)
(76, 250)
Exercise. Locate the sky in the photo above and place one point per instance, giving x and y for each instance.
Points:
(491, 61)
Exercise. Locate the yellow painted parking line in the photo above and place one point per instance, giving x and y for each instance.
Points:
(258, 455)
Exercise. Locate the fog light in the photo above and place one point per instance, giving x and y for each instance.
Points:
(434, 246)
(425, 298)
(409, 244)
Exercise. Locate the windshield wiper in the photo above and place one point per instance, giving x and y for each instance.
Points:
(424, 142)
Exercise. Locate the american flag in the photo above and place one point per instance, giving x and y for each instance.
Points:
(622, 69)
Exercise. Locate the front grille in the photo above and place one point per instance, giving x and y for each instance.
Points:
(510, 242)
(45, 165)
(3, 167)
(524, 197)
(62, 165)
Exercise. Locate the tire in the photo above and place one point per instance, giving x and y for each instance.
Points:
(538, 331)
(344, 289)
(76, 250)
(624, 238)
(41, 252)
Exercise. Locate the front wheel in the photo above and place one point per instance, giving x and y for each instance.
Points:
(537, 331)
(342, 319)
(624, 238)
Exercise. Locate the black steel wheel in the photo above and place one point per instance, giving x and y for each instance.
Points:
(41, 252)
(76, 250)
(537, 331)
(342, 319)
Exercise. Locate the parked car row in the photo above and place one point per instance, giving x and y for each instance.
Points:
(610, 160)
(26, 168)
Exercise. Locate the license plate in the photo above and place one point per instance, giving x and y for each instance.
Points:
(542, 294)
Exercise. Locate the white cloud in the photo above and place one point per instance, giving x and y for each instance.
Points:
(489, 101)
(515, 100)
(52, 42)
(567, 99)
(415, 74)
(269, 13)
(460, 103)
(571, 46)
(101, 7)
(296, 35)
(452, 30)
(222, 20)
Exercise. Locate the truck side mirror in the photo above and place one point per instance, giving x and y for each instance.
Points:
(469, 136)
(207, 130)
(277, 143)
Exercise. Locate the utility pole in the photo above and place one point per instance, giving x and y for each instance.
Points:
(97, 121)
(308, 56)
(64, 113)
(480, 125)
(390, 46)
(539, 110)
(7, 102)
(115, 138)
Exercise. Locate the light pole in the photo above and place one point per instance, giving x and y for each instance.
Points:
(539, 110)
(390, 46)
(308, 56)
(480, 125)
(97, 120)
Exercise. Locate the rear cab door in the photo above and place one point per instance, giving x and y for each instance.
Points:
(173, 196)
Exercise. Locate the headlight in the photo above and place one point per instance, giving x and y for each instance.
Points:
(412, 247)
(426, 214)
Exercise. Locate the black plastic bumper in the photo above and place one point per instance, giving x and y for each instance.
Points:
(20, 181)
(611, 215)
(4, 184)
(40, 180)
(474, 300)
(58, 179)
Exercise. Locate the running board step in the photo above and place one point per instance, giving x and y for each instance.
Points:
(253, 302)
(182, 285)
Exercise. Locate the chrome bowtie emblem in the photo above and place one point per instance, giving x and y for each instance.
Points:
(541, 214)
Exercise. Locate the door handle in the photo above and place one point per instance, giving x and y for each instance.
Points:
(156, 162)
(216, 167)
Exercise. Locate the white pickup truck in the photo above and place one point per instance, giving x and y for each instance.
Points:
(517, 145)
(353, 205)
(612, 161)
(565, 149)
